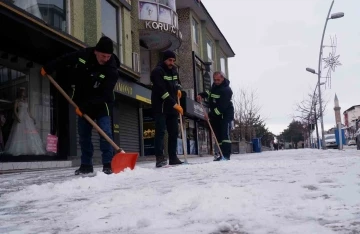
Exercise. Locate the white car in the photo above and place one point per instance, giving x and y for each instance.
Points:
(351, 142)
(330, 141)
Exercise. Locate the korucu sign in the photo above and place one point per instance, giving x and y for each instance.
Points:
(160, 26)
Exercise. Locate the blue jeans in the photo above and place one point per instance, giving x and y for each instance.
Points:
(87, 149)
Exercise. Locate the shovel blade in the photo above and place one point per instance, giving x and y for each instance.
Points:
(121, 161)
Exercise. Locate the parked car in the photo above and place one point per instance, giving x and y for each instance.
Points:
(330, 141)
(351, 142)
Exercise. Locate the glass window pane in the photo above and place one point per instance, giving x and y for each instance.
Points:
(209, 50)
(46, 10)
(195, 31)
(108, 20)
(148, 11)
(222, 65)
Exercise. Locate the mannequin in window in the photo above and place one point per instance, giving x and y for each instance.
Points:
(24, 139)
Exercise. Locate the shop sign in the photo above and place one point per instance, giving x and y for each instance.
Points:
(133, 90)
(124, 88)
(164, 27)
(195, 109)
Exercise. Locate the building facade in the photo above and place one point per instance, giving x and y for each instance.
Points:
(186, 28)
(140, 30)
(351, 115)
(51, 30)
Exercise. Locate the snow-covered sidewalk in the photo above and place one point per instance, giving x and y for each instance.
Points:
(292, 191)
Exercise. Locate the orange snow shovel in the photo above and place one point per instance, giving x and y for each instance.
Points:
(121, 160)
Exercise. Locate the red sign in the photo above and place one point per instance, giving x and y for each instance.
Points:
(51, 143)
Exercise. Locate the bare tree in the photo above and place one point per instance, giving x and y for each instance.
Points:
(308, 112)
(247, 113)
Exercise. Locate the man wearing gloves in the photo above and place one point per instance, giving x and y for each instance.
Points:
(221, 111)
(166, 90)
(94, 73)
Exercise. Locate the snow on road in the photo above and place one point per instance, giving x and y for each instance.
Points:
(292, 191)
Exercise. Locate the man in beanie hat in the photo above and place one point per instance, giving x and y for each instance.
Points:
(93, 72)
(166, 90)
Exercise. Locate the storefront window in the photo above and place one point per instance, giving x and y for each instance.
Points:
(191, 137)
(203, 139)
(25, 111)
(53, 12)
(149, 132)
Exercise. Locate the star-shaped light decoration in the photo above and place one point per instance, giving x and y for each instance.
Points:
(332, 61)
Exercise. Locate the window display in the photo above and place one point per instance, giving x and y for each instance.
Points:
(24, 139)
(149, 132)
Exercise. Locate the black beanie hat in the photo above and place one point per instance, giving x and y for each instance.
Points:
(168, 54)
(105, 45)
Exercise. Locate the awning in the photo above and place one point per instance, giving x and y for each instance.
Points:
(26, 36)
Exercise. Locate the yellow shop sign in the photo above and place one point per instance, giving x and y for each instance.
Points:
(123, 88)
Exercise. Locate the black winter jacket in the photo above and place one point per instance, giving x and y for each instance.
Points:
(220, 102)
(165, 85)
(94, 83)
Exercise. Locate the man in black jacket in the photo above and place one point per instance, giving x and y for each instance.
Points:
(221, 111)
(94, 73)
(165, 92)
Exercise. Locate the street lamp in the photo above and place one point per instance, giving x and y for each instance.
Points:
(328, 17)
(314, 105)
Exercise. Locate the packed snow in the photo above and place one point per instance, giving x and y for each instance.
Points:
(289, 191)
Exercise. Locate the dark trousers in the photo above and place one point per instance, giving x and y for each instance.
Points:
(169, 122)
(87, 150)
(221, 129)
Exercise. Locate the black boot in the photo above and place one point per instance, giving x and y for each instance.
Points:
(84, 169)
(107, 168)
(160, 161)
(175, 161)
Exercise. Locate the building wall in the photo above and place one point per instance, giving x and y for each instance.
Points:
(126, 38)
(353, 115)
(77, 19)
(186, 48)
(92, 27)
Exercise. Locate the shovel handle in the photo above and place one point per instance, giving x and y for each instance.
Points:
(183, 135)
(98, 129)
(212, 131)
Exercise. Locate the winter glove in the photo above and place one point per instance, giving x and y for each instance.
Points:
(179, 94)
(179, 109)
(43, 72)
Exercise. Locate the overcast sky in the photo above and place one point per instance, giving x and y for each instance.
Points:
(275, 40)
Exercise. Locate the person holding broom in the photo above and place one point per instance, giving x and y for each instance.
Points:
(94, 73)
(221, 111)
(166, 90)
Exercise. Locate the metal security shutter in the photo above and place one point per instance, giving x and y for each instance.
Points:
(129, 126)
(95, 138)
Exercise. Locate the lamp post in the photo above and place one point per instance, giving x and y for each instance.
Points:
(328, 17)
(314, 104)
